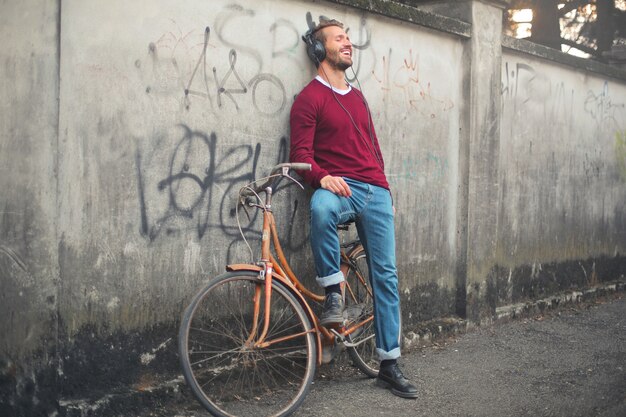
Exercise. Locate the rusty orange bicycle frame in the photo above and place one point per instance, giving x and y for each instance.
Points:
(270, 268)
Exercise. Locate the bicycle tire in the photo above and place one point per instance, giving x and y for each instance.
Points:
(230, 379)
(360, 306)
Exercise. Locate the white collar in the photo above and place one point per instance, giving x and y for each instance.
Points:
(336, 90)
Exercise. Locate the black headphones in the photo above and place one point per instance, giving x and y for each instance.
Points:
(314, 47)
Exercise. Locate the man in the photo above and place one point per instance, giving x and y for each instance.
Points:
(331, 128)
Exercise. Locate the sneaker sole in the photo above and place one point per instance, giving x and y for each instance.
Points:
(384, 384)
(332, 321)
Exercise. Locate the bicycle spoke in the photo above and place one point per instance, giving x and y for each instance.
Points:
(212, 357)
(235, 377)
(274, 365)
(281, 329)
(360, 307)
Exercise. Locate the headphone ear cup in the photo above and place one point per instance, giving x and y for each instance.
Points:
(314, 48)
(319, 50)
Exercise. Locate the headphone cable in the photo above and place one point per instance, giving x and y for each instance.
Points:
(372, 148)
(369, 113)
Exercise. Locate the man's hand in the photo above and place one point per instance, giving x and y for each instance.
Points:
(336, 185)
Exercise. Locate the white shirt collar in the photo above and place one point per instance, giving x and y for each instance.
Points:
(336, 90)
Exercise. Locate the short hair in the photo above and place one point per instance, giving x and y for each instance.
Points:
(325, 22)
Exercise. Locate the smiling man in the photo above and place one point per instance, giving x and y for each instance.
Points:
(332, 129)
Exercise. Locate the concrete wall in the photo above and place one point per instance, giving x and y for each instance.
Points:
(29, 273)
(128, 127)
(157, 115)
(562, 217)
(149, 173)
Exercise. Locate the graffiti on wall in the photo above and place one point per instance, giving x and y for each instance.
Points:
(218, 72)
(429, 168)
(196, 191)
(415, 94)
(191, 64)
(232, 84)
(602, 107)
(201, 186)
(206, 68)
(523, 86)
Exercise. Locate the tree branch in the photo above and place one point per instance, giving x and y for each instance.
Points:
(581, 47)
(572, 5)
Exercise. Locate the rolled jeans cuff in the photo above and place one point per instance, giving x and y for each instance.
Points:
(392, 354)
(332, 279)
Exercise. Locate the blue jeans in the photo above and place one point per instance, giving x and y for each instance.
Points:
(371, 209)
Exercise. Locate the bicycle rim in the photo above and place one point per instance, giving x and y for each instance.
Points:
(231, 379)
(359, 307)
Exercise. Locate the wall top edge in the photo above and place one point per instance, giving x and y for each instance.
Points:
(410, 14)
(530, 48)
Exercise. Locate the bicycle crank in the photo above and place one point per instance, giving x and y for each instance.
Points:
(343, 342)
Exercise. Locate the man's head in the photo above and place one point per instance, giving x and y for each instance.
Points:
(330, 43)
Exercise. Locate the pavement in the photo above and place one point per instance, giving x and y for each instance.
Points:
(566, 362)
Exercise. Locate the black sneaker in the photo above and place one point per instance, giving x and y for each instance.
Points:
(391, 377)
(333, 310)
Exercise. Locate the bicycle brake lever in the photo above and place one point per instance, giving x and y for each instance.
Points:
(247, 214)
(245, 208)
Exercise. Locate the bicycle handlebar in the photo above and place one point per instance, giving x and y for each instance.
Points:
(277, 172)
(299, 166)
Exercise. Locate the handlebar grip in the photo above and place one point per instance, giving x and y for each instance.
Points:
(301, 166)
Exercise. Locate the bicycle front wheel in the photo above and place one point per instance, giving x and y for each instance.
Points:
(230, 376)
(360, 309)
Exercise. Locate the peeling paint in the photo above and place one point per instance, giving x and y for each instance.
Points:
(146, 358)
(130, 249)
(192, 257)
(113, 304)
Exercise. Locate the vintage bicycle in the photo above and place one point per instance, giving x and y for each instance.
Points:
(250, 340)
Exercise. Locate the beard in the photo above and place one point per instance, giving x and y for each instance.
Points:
(335, 60)
(342, 65)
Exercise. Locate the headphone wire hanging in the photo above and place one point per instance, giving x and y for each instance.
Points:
(372, 149)
(369, 114)
(317, 53)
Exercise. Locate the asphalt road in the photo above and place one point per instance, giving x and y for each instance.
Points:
(571, 362)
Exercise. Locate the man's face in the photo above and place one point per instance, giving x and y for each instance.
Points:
(338, 48)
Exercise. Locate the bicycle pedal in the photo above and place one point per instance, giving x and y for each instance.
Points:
(338, 335)
(340, 340)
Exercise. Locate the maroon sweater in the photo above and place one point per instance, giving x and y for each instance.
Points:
(323, 135)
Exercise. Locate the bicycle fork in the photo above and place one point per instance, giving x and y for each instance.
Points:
(263, 292)
(267, 272)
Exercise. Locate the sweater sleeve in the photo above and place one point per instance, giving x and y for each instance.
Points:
(303, 121)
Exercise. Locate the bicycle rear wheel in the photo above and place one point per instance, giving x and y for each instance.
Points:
(229, 376)
(359, 307)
